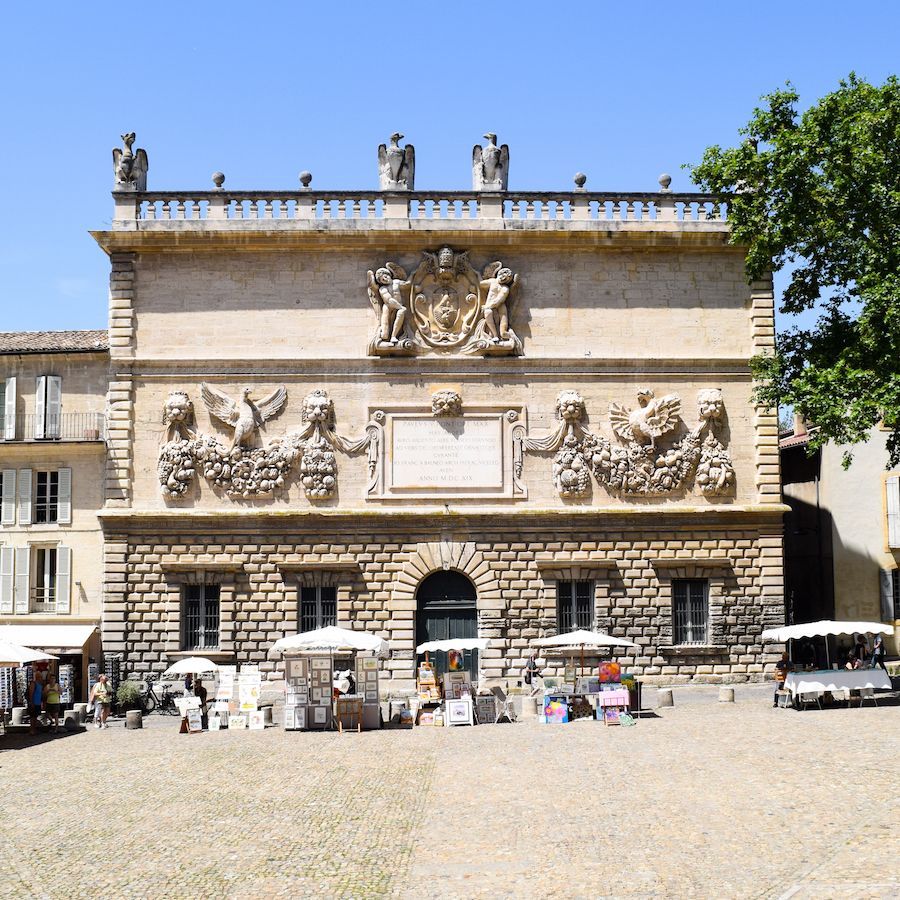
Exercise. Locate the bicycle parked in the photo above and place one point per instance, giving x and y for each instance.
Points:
(163, 703)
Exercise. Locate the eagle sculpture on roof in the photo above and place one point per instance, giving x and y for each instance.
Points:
(245, 415)
(396, 165)
(650, 420)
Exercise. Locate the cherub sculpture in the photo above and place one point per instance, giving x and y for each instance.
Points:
(130, 167)
(490, 165)
(244, 416)
(650, 420)
(499, 283)
(396, 165)
(386, 288)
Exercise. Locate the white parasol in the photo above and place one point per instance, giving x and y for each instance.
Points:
(582, 639)
(454, 644)
(823, 628)
(16, 655)
(334, 640)
(191, 665)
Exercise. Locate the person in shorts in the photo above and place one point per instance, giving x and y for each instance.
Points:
(34, 699)
(101, 697)
(782, 667)
(52, 703)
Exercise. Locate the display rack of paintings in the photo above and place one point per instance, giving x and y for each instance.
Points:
(367, 688)
(67, 683)
(486, 709)
(7, 688)
(321, 679)
(296, 697)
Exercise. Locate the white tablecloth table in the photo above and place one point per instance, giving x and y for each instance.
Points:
(836, 680)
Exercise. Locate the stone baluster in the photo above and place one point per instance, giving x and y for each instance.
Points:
(151, 210)
(179, 209)
(267, 210)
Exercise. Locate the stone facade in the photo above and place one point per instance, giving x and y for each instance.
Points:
(357, 390)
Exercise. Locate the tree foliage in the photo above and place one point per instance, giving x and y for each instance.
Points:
(820, 194)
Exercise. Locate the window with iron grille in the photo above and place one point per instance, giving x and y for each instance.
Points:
(43, 592)
(574, 605)
(690, 610)
(46, 497)
(318, 607)
(201, 616)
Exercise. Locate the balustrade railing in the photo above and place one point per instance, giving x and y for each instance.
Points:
(321, 206)
(54, 427)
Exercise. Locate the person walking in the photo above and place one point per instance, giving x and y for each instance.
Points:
(878, 653)
(52, 694)
(532, 673)
(782, 667)
(34, 697)
(101, 697)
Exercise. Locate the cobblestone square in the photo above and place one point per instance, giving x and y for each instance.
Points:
(702, 800)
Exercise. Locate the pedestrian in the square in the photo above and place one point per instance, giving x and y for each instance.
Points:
(34, 698)
(101, 697)
(878, 653)
(52, 694)
(782, 667)
(861, 650)
(532, 673)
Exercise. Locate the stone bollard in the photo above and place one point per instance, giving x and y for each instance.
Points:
(134, 719)
(664, 698)
(71, 720)
(18, 714)
(529, 707)
(726, 695)
(81, 709)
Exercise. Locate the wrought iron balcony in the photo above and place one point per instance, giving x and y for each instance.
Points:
(89, 426)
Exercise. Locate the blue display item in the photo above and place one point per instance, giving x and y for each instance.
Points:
(556, 710)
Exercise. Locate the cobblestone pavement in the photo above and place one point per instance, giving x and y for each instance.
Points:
(704, 800)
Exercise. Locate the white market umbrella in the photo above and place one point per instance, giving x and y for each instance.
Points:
(582, 639)
(192, 665)
(334, 640)
(16, 655)
(824, 628)
(454, 644)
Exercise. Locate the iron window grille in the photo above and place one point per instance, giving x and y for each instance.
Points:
(201, 617)
(895, 590)
(574, 605)
(46, 499)
(690, 610)
(318, 607)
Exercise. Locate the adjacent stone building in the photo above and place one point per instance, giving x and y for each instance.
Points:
(436, 413)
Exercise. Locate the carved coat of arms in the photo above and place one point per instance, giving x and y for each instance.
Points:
(444, 306)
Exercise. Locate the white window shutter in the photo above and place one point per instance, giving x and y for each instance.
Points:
(9, 410)
(8, 500)
(892, 489)
(64, 505)
(63, 579)
(6, 580)
(24, 496)
(40, 406)
(53, 412)
(23, 571)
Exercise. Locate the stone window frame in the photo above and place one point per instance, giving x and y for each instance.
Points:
(177, 575)
(564, 568)
(339, 575)
(716, 573)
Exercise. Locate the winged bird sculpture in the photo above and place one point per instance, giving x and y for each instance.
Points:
(130, 167)
(490, 165)
(245, 415)
(650, 420)
(396, 165)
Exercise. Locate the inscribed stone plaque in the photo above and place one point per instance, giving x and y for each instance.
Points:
(455, 454)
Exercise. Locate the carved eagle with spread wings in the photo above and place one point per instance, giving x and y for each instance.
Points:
(650, 420)
(130, 166)
(396, 164)
(244, 416)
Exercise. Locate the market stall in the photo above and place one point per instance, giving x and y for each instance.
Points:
(15, 657)
(310, 700)
(606, 696)
(836, 680)
(194, 666)
(451, 700)
(824, 628)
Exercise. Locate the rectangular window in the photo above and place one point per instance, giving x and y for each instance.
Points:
(690, 610)
(43, 590)
(200, 616)
(574, 605)
(47, 407)
(895, 585)
(318, 607)
(46, 498)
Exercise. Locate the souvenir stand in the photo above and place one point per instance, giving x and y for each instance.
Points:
(12, 673)
(451, 700)
(197, 666)
(602, 696)
(309, 679)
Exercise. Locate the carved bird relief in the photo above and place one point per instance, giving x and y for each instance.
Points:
(396, 165)
(650, 420)
(244, 416)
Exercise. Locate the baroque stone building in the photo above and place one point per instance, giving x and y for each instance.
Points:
(427, 413)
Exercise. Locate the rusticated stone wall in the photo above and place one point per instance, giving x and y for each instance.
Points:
(513, 562)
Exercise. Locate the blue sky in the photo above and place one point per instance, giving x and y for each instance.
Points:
(621, 91)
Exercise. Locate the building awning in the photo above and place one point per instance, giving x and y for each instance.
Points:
(49, 637)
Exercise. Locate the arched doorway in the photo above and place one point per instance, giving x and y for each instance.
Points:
(446, 608)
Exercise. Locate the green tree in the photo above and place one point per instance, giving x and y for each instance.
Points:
(820, 194)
